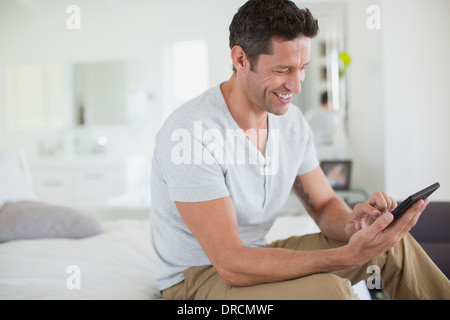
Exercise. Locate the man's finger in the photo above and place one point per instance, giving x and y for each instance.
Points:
(387, 200)
(393, 204)
(381, 201)
(410, 218)
(367, 208)
(381, 223)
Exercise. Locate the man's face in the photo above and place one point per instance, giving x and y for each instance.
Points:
(276, 77)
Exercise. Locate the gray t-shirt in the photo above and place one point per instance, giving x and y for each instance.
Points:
(201, 154)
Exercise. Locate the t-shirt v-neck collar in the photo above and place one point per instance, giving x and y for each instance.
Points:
(261, 156)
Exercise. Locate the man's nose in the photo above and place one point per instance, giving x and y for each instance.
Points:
(294, 83)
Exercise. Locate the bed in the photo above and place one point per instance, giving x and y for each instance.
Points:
(115, 264)
(52, 252)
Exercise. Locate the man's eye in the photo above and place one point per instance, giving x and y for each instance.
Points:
(283, 71)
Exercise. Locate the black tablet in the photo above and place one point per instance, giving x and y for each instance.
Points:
(408, 202)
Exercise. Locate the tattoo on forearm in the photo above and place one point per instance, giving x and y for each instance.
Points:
(298, 189)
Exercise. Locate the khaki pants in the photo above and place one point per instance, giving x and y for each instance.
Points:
(406, 270)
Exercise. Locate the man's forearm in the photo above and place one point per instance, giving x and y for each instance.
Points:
(252, 266)
(329, 211)
(333, 218)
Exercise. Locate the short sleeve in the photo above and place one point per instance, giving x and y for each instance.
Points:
(189, 170)
(310, 161)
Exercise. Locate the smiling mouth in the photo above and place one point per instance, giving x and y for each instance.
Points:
(283, 96)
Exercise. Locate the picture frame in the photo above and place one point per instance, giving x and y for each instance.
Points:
(338, 173)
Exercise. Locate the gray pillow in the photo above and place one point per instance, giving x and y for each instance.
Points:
(35, 220)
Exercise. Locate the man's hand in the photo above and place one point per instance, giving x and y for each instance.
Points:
(376, 238)
(364, 214)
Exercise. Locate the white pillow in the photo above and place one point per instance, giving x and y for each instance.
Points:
(14, 185)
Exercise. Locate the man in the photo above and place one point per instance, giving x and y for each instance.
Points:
(323, 122)
(224, 165)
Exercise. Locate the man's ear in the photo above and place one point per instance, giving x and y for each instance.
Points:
(239, 58)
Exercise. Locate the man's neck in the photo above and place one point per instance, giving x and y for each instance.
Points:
(251, 119)
(246, 115)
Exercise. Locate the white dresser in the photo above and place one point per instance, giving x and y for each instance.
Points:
(81, 182)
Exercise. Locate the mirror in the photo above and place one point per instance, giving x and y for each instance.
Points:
(97, 93)
(323, 96)
(75, 100)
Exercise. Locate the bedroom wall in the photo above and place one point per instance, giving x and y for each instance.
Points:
(141, 31)
(365, 104)
(379, 79)
(416, 67)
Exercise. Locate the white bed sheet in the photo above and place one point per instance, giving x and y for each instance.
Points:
(116, 264)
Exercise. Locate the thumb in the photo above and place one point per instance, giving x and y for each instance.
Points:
(381, 223)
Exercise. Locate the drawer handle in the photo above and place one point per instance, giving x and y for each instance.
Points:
(94, 176)
(53, 183)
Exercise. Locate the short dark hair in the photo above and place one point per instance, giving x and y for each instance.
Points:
(258, 21)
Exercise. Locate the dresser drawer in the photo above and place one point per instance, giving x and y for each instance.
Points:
(55, 187)
(81, 184)
(97, 185)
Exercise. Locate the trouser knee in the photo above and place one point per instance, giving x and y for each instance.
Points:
(326, 287)
(315, 287)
